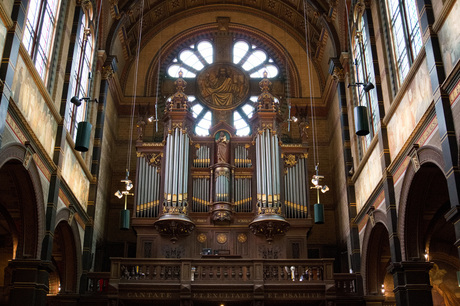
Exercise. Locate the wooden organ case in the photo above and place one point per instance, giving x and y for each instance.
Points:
(221, 195)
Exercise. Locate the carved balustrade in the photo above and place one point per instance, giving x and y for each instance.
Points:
(228, 270)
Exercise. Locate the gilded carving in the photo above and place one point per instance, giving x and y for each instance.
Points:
(155, 159)
(201, 238)
(222, 238)
(290, 160)
(223, 86)
(338, 74)
(242, 238)
(107, 72)
(222, 171)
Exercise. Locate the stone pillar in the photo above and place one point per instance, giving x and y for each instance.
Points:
(29, 282)
(338, 73)
(10, 59)
(108, 69)
(412, 282)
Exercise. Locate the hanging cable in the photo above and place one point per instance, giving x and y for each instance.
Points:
(96, 34)
(288, 87)
(133, 106)
(313, 119)
(158, 80)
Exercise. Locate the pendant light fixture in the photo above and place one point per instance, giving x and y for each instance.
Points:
(318, 207)
(84, 127)
(360, 111)
(82, 139)
(125, 213)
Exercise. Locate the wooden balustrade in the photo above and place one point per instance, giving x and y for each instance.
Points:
(303, 279)
(231, 270)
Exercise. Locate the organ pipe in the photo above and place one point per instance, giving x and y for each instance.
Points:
(147, 188)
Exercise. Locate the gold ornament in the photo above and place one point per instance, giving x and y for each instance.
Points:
(242, 238)
(222, 238)
(201, 238)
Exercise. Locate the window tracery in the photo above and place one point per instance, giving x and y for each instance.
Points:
(222, 86)
(39, 33)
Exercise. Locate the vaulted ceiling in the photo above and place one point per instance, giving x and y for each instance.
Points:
(312, 21)
(291, 14)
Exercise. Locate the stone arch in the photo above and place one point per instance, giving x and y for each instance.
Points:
(18, 172)
(429, 158)
(375, 247)
(276, 50)
(66, 254)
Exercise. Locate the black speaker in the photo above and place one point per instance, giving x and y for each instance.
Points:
(83, 136)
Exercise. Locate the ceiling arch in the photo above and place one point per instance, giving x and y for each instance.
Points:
(289, 15)
(274, 38)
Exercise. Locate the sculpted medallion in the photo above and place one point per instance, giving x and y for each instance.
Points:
(223, 86)
(222, 238)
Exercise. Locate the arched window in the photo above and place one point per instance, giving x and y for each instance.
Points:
(39, 33)
(241, 117)
(405, 33)
(362, 54)
(203, 115)
(80, 76)
(247, 61)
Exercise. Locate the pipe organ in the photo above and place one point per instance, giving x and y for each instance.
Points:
(201, 194)
(243, 194)
(268, 171)
(295, 194)
(148, 180)
(253, 183)
(241, 159)
(202, 159)
(222, 183)
(176, 170)
(174, 221)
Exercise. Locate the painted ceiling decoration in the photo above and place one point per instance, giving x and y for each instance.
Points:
(319, 15)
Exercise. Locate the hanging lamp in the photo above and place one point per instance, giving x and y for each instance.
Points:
(125, 214)
(361, 120)
(360, 111)
(318, 208)
(83, 136)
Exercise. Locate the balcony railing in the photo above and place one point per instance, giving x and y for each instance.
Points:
(308, 279)
(126, 270)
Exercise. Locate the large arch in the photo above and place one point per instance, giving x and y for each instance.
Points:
(169, 49)
(66, 254)
(425, 233)
(22, 198)
(22, 211)
(376, 255)
(430, 159)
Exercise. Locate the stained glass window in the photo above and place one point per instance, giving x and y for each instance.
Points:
(198, 57)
